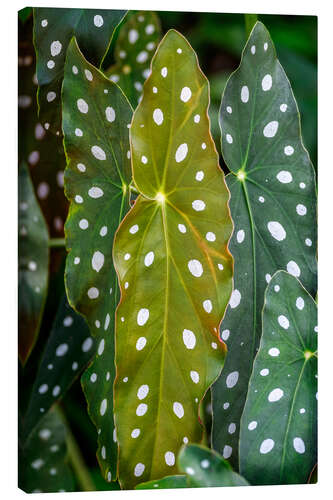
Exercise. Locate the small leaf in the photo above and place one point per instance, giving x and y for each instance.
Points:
(136, 44)
(33, 264)
(35, 141)
(273, 206)
(53, 30)
(278, 437)
(43, 466)
(95, 118)
(68, 350)
(168, 482)
(174, 269)
(206, 468)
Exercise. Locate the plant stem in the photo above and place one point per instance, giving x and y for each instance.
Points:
(75, 457)
(56, 242)
(250, 21)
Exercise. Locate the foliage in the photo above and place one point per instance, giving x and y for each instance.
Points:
(173, 240)
(152, 265)
(278, 438)
(33, 264)
(273, 206)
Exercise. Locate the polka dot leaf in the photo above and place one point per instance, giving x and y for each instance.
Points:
(166, 483)
(33, 262)
(205, 468)
(53, 30)
(278, 435)
(95, 118)
(69, 348)
(174, 269)
(273, 206)
(43, 465)
(136, 43)
(35, 140)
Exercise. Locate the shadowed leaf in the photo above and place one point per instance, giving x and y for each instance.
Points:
(53, 30)
(95, 118)
(174, 269)
(205, 468)
(273, 206)
(278, 437)
(37, 146)
(136, 43)
(43, 466)
(33, 260)
(68, 350)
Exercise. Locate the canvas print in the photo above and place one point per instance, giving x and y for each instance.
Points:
(167, 233)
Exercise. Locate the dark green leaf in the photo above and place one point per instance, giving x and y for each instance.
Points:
(96, 115)
(33, 260)
(53, 29)
(43, 466)
(68, 350)
(278, 436)
(174, 269)
(273, 206)
(136, 44)
(168, 482)
(205, 468)
(38, 147)
(24, 14)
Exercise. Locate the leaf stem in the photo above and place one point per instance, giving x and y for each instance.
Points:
(75, 457)
(56, 242)
(250, 21)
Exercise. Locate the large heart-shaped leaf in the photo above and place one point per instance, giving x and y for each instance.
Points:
(53, 29)
(273, 205)
(33, 260)
(35, 142)
(96, 115)
(136, 44)
(68, 350)
(43, 466)
(278, 436)
(206, 468)
(174, 269)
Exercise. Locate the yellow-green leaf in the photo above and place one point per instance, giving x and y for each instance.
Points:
(174, 269)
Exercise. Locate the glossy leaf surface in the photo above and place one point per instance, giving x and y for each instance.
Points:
(174, 269)
(38, 147)
(53, 30)
(168, 482)
(206, 468)
(273, 206)
(33, 260)
(278, 438)
(68, 350)
(136, 43)
(95, 118)
(43, 466)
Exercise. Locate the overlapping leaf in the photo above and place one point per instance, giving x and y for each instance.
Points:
(278, 437)
(273, 206)
(205, 468)
(68, 350)
(37, 146)
(136, 44)
(43, 466)
(166, 483)
(96, 115)
(53, 30)
(33, 260)
(174, 269)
